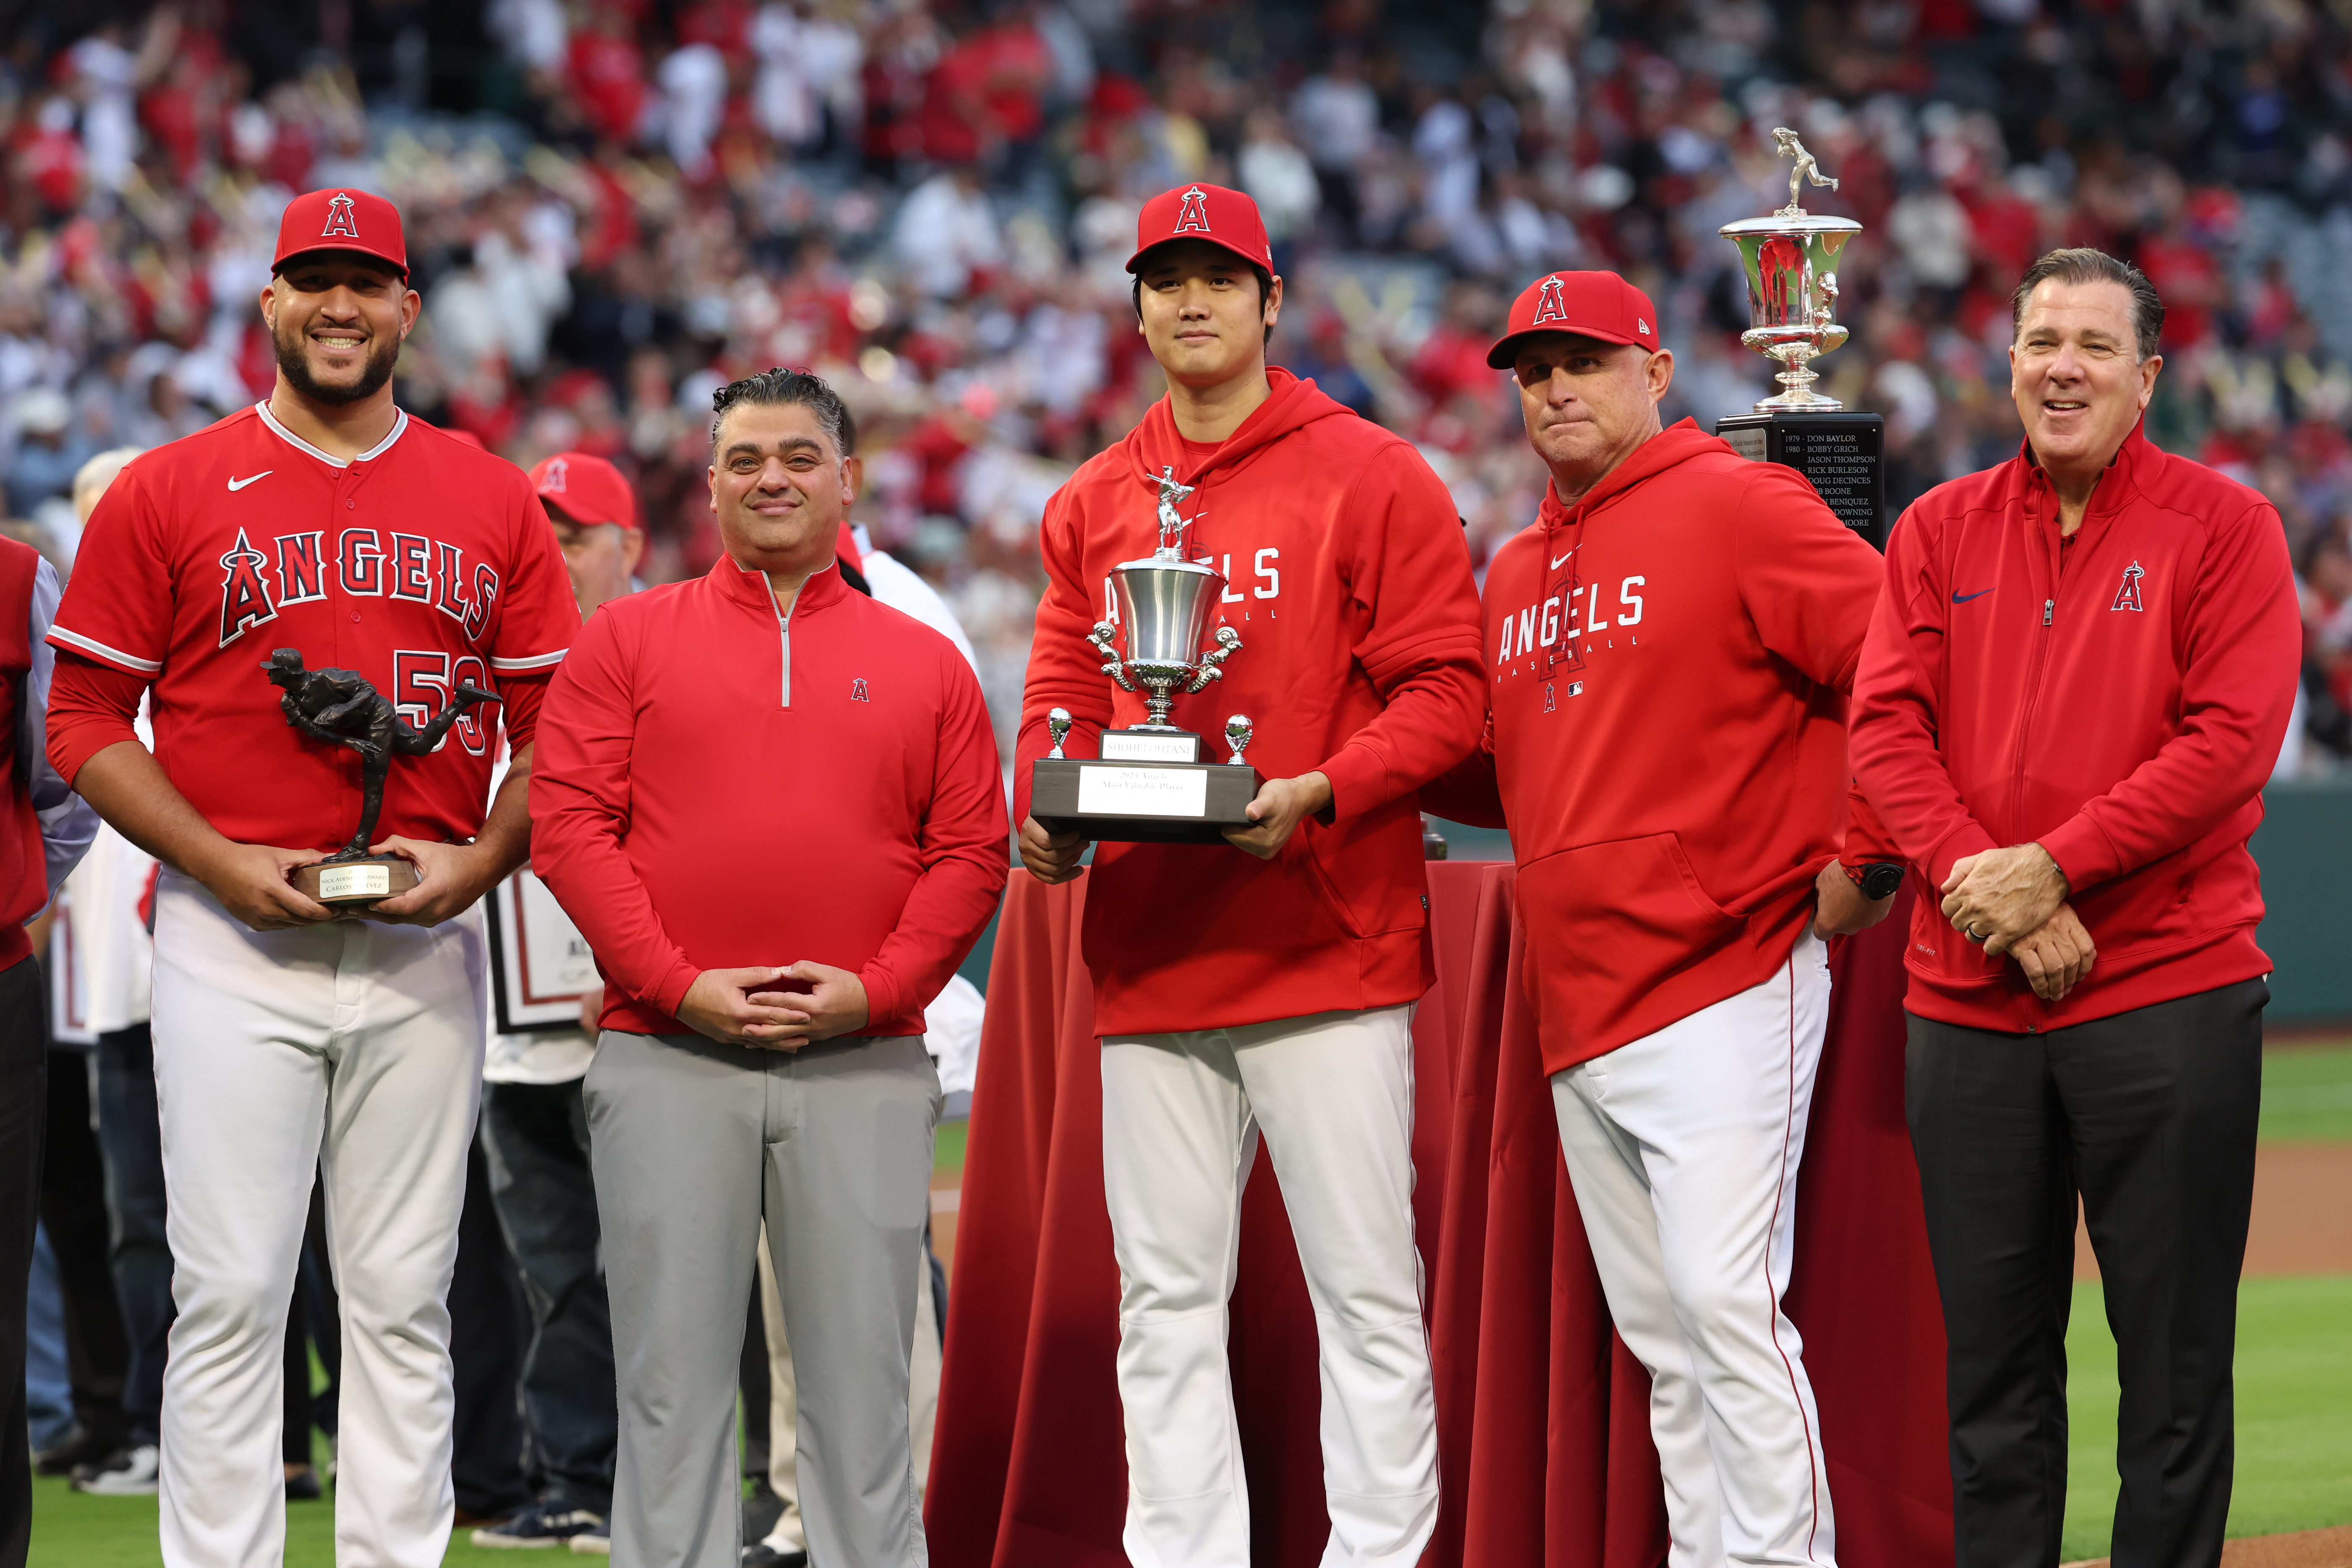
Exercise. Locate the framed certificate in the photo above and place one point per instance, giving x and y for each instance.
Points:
(540, 963)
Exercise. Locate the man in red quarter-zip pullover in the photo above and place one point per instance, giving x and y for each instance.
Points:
(1269, 986)
(1667, 649)
(772, 805)
(2076, 684)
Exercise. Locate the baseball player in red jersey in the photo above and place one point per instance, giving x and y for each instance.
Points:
(1666, 651)
(290, 1043)
(1266, 987)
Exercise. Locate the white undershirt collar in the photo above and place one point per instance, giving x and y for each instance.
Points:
(291, 440)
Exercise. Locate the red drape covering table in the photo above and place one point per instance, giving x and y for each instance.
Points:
(1544, 1440)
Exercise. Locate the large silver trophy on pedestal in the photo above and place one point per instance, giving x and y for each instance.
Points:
(1148, 784)
(1789, 258)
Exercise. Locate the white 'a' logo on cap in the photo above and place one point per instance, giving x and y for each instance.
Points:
(1550, 306)
(1196, 215)
(341, 223)
(552, 484)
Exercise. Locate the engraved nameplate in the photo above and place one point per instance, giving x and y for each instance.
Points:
(1126, 746)
(1143, 792)
(356, 882)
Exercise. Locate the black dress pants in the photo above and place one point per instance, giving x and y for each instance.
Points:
(2150, 1116)
(24, 1118)
(73, 1210)
(130, 1136)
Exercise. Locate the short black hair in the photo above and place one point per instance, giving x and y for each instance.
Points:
(1264, 292)
(780, 386)
(2081, 264)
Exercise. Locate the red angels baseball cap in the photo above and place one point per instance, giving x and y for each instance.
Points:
(341, 220)
(1590, 304)
(1227, 219)
(585, 488)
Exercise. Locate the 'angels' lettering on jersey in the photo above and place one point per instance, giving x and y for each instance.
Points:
(257, 583)
(1563, 628)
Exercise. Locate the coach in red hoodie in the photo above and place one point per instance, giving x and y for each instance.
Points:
(2076, 684)
(772, 805)
(1268, 986)
(1666, 650)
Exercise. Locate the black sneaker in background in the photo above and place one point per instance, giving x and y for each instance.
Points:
(127, 1472)
(542, 1525)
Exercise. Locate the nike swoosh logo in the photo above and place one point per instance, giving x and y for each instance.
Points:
(1555, 566)
(236, 485)
(1964, 598)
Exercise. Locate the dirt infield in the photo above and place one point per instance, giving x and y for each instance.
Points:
(2303, 1217)
(2305, 1549)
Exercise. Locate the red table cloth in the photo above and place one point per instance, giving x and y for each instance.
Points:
(1543, 1421)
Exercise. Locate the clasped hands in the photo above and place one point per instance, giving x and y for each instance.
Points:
(2013, 900)
(736, 1007)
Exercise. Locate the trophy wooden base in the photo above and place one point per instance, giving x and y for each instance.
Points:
(1141, 802)
(1841, 453)
(340, 884)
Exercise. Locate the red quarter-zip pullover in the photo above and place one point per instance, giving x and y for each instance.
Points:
(1350, 587)
(1665, 661)
(2119, 697)
(718, 785)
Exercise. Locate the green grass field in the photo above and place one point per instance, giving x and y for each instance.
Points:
(2307, 1094)
(2295, 1389)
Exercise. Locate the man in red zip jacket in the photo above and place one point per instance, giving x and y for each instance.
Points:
(774, 807)
(2076, 684)
(1667, 650)
(1269, 986)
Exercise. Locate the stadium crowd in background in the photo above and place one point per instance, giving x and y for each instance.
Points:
(617, 206)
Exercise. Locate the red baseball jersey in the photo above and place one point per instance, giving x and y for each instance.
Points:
(421, 563)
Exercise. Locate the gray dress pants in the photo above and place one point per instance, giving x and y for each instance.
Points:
(691, 1143)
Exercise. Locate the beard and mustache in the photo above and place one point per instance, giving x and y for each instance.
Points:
(294, 363)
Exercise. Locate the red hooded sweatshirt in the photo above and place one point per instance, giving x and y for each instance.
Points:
(717, 786)
(1665, 661)
(1349, 584)
(2119, 697)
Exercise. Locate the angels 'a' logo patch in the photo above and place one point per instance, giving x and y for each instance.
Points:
(1549, 305)
(245, 592)
(559, 471)
(858, 692)
(341, 222)
(2127, 596)
(1196, 213)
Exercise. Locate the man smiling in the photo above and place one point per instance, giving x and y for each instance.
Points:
(2075, 686)
(774, 807)
(1267, 986)
(292, 1047)
(1666, 649)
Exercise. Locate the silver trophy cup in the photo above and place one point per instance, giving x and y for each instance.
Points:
(1790, 259)
(1164, 603)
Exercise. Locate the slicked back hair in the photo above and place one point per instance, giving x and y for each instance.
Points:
(772, 388)
(2081, 264)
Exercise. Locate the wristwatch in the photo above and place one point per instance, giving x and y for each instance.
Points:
(1878, 878)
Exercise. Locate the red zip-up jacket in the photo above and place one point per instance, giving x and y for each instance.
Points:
(1666, 664)
(1350, 587)
(2119, 699)
(718, 786)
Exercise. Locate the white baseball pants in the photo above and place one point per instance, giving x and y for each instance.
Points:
(1332, 1094)
(1683, 1147)
(353, 1053)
